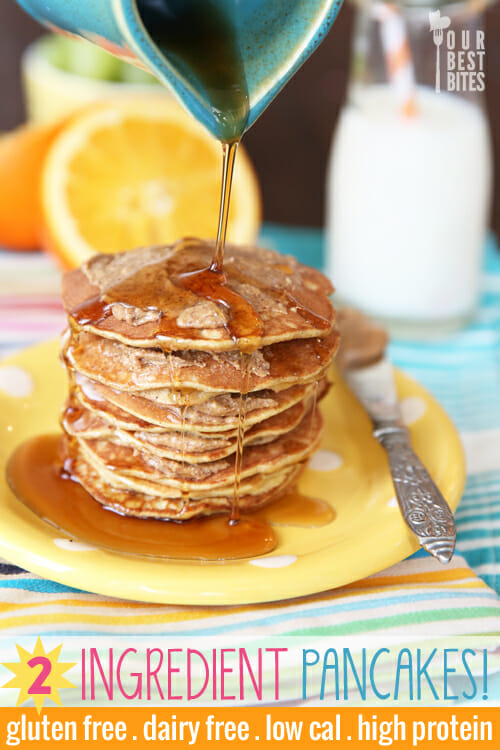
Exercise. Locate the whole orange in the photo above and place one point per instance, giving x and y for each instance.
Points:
(22, 154)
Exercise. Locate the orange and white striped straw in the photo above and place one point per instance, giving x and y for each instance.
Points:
(397, 55)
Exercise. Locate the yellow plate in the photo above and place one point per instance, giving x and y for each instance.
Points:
(367, 535)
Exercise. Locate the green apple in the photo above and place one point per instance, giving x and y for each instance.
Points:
(81, 58)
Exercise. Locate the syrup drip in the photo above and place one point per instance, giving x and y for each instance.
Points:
(170, 367)
(284, 295)
(169, 285)
(245, 368)
(235, 508)
(37, 478)
(185, 495)
(314, 403)
(74, 417)
(315, 400)
(228, 159)
(210, 283)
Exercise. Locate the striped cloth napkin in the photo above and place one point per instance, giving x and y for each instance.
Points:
(416, 597)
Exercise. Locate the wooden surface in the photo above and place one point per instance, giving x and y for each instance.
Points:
(17, 30)
(289, 144)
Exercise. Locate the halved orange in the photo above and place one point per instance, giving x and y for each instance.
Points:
(22, 153)
(139, 171)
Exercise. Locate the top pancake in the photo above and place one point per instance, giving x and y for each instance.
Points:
(145, 298)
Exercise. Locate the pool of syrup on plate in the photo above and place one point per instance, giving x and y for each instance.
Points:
(35, 474)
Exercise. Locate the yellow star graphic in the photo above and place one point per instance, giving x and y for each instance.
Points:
(39, 675)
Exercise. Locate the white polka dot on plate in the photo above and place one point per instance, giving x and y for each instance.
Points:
(325, 461)
(73, 545)
(481, 450)
(14, 381)
(278, 561)
(393, 503)
(412, 408)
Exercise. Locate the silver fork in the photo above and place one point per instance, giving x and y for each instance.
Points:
(371, 378)
(423, 507)
(437, 35)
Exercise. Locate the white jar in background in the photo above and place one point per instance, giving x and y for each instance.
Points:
(408, 197)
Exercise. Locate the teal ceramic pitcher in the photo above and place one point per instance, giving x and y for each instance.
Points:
(224, 59)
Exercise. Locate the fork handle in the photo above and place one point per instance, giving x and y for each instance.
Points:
(424, 509)
(438, 70)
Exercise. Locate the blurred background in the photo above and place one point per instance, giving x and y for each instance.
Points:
(299, 123)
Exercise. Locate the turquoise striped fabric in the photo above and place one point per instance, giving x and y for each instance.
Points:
(462, 371)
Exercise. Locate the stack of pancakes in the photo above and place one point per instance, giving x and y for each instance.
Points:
(161, 388)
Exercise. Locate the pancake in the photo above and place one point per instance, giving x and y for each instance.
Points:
(133, 369)
(142, 505)
(218, 415)
(118, 418)
(139, 297)
(253, 485)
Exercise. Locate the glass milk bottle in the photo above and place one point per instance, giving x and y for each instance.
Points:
(409, 175)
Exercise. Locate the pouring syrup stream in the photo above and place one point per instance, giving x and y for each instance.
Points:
(228, 160)
(243, 323)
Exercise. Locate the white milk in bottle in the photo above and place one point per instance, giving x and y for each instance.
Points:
(407, 205)
(408, 186)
